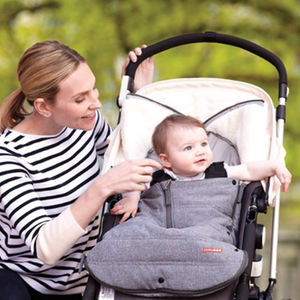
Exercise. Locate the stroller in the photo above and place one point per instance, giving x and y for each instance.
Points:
(242, 126)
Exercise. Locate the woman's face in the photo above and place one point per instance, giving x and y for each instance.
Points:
(77, 100)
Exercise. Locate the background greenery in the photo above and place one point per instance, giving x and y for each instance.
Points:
(104, 31)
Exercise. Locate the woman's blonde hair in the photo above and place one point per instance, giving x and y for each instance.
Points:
(161, 131)
(40, 71)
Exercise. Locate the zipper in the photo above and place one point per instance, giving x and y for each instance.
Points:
(168, 202)
(240, 194)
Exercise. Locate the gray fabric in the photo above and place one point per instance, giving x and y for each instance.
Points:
(194, 257)
(223, 149)
(226, 293)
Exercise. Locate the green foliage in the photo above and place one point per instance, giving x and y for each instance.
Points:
(103, 31)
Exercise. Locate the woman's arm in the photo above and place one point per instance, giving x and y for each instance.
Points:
(125, 177)
(59, 235)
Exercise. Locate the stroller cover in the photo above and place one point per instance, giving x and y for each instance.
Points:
(191, 252)
(197, 255)
(235, 112)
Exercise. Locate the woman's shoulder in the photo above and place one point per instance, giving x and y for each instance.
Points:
(17, 143)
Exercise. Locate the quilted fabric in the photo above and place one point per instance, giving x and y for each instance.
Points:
(195, 256)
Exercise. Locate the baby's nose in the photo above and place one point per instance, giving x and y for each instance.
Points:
(199, 152)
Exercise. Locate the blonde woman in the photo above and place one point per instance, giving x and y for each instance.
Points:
(50, 184)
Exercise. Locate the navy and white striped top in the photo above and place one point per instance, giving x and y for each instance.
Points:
(40, 176)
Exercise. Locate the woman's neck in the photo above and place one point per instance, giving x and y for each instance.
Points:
(37, 124)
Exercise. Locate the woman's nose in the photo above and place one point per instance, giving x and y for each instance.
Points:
(96, 104)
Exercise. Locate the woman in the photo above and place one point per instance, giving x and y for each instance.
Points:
(50, 184)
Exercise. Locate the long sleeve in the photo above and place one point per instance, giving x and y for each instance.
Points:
(57, 237)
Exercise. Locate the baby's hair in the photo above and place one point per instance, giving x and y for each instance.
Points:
(160, 134)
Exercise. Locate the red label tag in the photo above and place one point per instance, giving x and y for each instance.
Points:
(212, 250)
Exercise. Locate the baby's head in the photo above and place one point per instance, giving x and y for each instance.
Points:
(181, 145)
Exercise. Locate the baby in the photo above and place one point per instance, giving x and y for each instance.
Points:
(182, 147)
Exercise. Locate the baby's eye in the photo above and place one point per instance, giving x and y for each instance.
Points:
(188, 148)
(204, 144)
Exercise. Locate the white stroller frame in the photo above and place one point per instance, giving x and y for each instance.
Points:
(236, 90)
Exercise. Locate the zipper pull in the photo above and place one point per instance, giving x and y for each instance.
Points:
(241, 189)
(168, 201)
(168, 193)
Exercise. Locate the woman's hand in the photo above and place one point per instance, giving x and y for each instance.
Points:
(128, 176)
(145, 71)
(125, 177)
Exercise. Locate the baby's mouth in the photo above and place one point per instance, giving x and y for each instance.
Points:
(200, 161)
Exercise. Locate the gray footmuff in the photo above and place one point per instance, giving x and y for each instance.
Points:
(179, 243)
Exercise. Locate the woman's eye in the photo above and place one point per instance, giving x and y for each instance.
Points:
(80, 100)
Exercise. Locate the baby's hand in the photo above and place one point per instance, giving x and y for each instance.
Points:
(128, 206)
(284, 176)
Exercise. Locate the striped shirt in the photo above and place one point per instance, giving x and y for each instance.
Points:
(40, 176)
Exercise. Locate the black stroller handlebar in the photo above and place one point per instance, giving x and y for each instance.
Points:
(213, 37)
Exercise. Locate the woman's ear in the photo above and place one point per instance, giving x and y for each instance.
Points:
(42, 107)
(163, 158)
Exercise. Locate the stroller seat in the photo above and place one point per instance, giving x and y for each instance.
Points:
(241, 126)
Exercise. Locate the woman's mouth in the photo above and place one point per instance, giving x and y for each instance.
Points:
(90, 117)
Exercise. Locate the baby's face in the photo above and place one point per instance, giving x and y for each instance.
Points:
(187, 151)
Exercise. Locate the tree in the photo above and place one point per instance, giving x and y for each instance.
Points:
(104, 31)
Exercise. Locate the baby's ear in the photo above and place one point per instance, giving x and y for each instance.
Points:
(163, 158)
